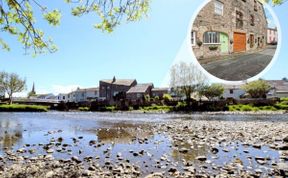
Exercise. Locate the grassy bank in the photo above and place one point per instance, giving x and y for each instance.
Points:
(156, 108)
(280, 106)
(22, 108)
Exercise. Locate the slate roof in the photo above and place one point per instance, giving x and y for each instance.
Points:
(140, 88)
(124, 82)
(279, 85)
(160, 89)
(87, 89)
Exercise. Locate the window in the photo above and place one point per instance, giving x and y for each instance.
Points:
(211, 37)
(239, 19)
(255, 5)
(219, 8)
(252, 20)
(231, 91)
(139, 95)
(193, 38)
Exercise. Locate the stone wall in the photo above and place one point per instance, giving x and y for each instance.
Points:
(208, 20)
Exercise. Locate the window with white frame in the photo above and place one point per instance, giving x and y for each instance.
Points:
(193, 38)
(212, 37)
(219, 8)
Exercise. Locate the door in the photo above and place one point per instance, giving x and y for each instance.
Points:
(239, 42)
(224, 42)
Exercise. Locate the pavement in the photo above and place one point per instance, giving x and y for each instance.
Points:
(242, 66)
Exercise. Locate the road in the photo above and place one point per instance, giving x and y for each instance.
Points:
(242, 66)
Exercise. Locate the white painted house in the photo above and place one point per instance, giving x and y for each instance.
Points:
(86, 94)
(233, 91)
(80, 95)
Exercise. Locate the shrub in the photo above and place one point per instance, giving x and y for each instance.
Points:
(213, 48)
(167, 97)
(23, 108)
(84, 109)
(110, 108)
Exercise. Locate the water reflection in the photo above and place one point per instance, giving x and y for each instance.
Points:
(193, 150)
(10, 133)
(123, 133)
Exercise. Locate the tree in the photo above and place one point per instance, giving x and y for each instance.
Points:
(17, 18)
(257, 89)
(11, 83)
(212, 91)
(185, 78)
(276, 2)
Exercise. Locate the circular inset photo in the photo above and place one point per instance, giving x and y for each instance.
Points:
(234, 40)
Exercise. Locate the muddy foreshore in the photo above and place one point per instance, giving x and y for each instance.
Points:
(233, 149)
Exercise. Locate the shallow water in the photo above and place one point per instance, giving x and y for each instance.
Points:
(124, 133)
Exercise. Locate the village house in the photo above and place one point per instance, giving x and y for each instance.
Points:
(80, 95)
(159, 92)
(115, 89)
(86, 95)
(279, 89)
(233, 91)
(229, 26)
(139, 91)
(272, 36)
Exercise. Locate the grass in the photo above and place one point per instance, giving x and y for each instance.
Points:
(242, 107)
(110, 108)
(157, 108)
(84, 109)
(23, 108)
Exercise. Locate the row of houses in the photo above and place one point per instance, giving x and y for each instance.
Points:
(230, 26)
(279, 89)
(114, 90)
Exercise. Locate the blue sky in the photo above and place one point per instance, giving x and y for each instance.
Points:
(143, 50)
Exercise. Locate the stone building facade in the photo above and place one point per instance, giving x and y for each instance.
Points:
(229, 26)
(115, 89)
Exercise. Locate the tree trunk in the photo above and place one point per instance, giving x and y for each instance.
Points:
(10, 99)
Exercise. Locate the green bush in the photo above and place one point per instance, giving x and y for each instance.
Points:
(268, 108)
(84, 109)
(167, 97)
(23, 108)
(281, 106)
(110, 108)
(154, 107)
(246, 108)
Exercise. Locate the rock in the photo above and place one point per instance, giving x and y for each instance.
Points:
(76, 159)
(49, 174)
(183, 150)
(155, 175)
(201, 158)
(283, 147)
(60, 139)
(135, 154)
(141, 152)
(214, 150)
(225, 150)
(172, 170)
(285, 139)
(282, 166)
(50, 151)
(92, 142)
(258, 146)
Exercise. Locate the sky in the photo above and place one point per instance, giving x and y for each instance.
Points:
(143, 50)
